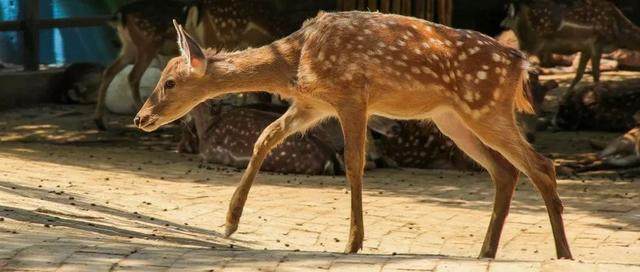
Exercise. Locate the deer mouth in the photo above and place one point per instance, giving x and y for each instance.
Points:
(146, 122)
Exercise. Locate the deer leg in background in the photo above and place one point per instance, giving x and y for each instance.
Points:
(596, 56)
(582, 66)
(143, 60)
(353, 120)
(297, 118)
(503, 174)
(127, 56)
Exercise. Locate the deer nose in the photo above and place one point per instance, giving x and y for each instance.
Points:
(139, 120)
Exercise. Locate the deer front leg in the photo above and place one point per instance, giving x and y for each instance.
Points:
(143, 61)
(354, 129)
(297, 118)
(582, 66)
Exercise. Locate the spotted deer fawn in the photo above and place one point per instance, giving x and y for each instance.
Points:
(351, 65)
(145, 31)
(592, 27)
(421, 145)
(225, 134)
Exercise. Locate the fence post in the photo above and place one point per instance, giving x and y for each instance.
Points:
(396, 6)
(372, 5)
(419, 6)
(385, 6)
(430, 10)
(31, 35)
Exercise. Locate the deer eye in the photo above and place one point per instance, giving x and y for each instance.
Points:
(169, 84)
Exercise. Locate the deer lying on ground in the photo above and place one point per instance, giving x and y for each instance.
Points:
(221, 133)
(606, 107)
(622, 152)
(422, 145)
(592, 27)
(351, 65)
(144, 30)
(225, 134)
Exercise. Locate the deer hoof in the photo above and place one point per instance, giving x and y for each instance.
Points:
(100, 124)
(353, 246)
(230, 229)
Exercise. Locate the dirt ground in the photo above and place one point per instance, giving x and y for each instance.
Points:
(76, 199)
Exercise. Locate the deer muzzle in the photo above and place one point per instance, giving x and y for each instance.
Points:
(146, 122)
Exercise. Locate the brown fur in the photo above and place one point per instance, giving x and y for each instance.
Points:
(355, 64)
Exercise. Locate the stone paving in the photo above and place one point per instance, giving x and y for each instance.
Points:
(92, 208)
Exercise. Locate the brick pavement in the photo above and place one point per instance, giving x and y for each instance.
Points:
(91, 208)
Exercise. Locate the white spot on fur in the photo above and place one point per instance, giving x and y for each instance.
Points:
(482, 75)
(474, 50)
(468, 96)
(496, 57)
(400, 63)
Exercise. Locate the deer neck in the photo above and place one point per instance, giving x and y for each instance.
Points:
(269, 68)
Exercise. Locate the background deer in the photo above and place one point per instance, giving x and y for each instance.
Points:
(355, 64)
(600, 108)
(224, 133)
(592, 27)
(145, 30)
(421, 145)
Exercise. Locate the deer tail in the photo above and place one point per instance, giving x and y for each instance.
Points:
(523, 97)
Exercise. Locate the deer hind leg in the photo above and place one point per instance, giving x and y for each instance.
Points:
(582, 66)
(297, 118)
(145, 56)
(127, 56)
(503, 174)
(501, 134)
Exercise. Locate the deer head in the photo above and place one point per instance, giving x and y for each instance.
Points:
(180, 87)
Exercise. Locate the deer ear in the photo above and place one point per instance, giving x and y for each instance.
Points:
(192, 53)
